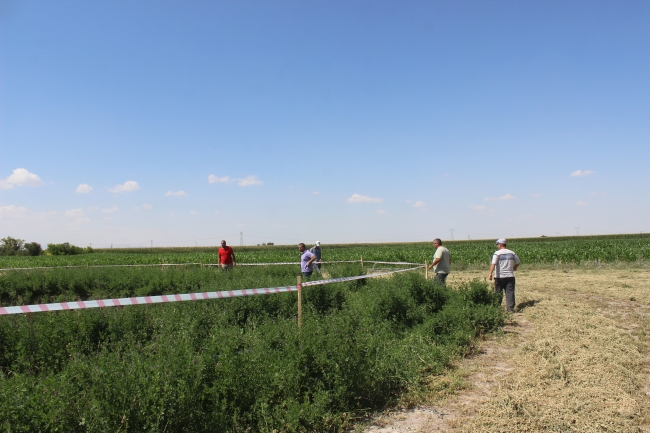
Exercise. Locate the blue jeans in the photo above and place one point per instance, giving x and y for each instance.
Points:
(307, 274)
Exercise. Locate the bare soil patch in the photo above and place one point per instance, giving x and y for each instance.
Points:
(575, 358)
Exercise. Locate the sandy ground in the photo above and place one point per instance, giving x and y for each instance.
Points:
(575, 358)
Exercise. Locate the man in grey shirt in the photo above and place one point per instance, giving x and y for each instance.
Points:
(441, 262)
(505, 262)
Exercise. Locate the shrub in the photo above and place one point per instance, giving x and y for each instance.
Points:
(33, 248)
(64, 249)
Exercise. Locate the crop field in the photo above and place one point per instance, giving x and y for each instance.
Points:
(225, 365)
(623, 248)
(242, 364)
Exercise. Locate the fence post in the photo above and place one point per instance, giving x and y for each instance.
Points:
(361, 263)
(299, 302)
(426, 270)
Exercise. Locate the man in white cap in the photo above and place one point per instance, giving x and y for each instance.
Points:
(505, 262)
(315, 250)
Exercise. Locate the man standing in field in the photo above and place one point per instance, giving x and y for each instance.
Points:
(306, 261)
(315, 250)
(506, 263)
(226, 257)
(441, 263)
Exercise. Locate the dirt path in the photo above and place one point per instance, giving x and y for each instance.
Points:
(576, 358)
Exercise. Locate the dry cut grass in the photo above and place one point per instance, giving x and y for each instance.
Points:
(576, 358)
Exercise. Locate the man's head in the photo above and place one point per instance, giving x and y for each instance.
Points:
(501, 243)
(302, 247)
(437, 242)
(223, 244)
(317, 244)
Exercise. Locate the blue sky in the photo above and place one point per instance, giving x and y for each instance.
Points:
(183, 123)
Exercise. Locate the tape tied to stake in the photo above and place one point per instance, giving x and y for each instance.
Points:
(139, 300)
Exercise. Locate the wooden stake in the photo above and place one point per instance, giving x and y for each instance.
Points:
(299, 302)
(426, 270)
(361, 263)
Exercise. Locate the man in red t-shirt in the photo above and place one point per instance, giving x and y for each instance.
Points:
(226, 257)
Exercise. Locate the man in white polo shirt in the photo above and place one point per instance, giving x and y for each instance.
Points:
(505, 262)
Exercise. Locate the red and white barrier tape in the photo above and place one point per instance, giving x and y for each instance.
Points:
(40, 308)
(139, 300)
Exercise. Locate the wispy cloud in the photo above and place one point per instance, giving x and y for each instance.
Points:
(581, 203)
(110, 209)
(582, 173)
(20, 177)
(12, 211)
(216, 179)
(358, 198)
(74, 213)
(147, 206)
(479, 207)
(502, 198)
(381, 211)
(128, 186)
(316, 193)
(249, 181)
(419, 204)
(84, 188)
(194, 212)
(170, 193)
(241, 181)
(537, 195)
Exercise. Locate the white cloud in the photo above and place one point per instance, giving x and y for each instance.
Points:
(20, 177)
(216, 211)
(581, 203)
(194, 212)
(128, 186)
(216, 179)
(74, 213)
(358, 198)
(249, 180)
(110, 209)
(480, 207)
(147, 206)
(12, 211)
(177, 193)
(316, 193)
(581, 173)
(245, 181)
(84, 188)
(381, 212)
(502, 198)
(537, 195)
(419, 204)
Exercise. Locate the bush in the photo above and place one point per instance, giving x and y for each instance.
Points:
(33, 248)
(64, 249)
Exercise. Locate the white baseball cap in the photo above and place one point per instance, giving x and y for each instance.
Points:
(318, 243)
(501, 241)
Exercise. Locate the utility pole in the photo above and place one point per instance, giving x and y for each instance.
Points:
(151, 244)
(241, 239)
(452, 233)
(111, 246)
(577, 231)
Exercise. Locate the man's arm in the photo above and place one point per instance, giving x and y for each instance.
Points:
(435, 262)
(492, 266)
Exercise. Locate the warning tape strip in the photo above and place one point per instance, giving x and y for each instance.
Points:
(139, 300)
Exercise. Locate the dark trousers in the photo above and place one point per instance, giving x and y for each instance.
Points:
(506, 285)
(440, 278)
